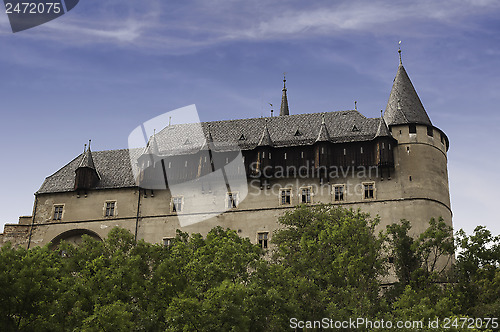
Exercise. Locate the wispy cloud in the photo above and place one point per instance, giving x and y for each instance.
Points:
(159, 25)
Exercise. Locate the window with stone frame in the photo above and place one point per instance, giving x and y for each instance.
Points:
(262, 238)
(285, 196)
(339, 193)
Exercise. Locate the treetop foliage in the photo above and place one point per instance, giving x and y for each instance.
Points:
(325, 262)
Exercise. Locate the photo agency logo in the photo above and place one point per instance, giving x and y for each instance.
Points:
(205, 177)
(25, 15)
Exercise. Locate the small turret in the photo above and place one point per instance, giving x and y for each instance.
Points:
(284, 100)
(322, 151)
(86, 176)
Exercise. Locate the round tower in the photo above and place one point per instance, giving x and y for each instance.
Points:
(420, 156)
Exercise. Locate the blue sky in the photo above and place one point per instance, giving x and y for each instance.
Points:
(107, 66)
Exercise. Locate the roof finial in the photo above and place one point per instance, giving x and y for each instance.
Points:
(89, 143)
(355, 105)
(399, 51)
(323, 118)
(381, 113)
(284, 81)
(84, 147)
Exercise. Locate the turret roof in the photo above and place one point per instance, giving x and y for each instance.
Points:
(86, 159)
(404, 105)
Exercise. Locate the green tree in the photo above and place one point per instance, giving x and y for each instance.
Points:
(330, 259)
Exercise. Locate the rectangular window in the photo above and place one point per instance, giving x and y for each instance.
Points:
(262, 238)
(369, 190)
(338, 192)
(167, 241)
(302, 154)
(412, 128)
(430, 131)
(361, 150)
(442, 138)
(58, 211)
(285, 156)
(110, 209)
(345, 152)
(305, 195)
(286, 195)
(232, 200)
(177, 204)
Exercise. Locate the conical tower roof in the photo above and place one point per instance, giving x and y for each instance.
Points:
(404, 105)
(382, 130)
(323, 135)
(86, 159)
(265, 139)
(284, 101)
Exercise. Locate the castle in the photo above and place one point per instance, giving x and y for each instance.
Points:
(394, 166)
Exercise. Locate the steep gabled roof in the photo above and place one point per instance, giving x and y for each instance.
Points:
(404, 105)
(115, 168)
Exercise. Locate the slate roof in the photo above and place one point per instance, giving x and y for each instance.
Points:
(115, 170)
(113, 167)
(404, 105)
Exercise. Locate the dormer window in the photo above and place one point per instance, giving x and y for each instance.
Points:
(298, 133)
(242, 137)
(354, 128)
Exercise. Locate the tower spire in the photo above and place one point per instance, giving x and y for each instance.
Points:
(284, 100)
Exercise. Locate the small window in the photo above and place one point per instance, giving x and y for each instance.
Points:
(345, 152)
(383, 145)
(242, 137)
(361, 150)
(269, 155)
(298, 133)
(262, 238)
(354, 128)
(186, 163)
(177, 204)
(338, 192)
(322, 150)
(167, 241)
(263, 155)
(110, 209)
(430, 131)
(413, 129)
(187, 142)
(369, 190)
(232, 200)
(442, 138)
(169, 164)
(305, 195)
(302, 155)
(285, 196)
(284, 156)
(389, 146)
(58, 212)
